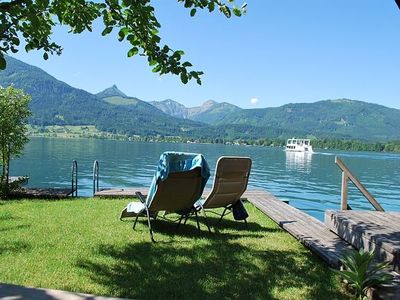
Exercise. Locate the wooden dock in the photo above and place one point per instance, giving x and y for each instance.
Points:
(120, 192)
(43, 193)
(371, 230)
(307, 229)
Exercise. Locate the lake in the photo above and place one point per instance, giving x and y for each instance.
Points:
(311, 183)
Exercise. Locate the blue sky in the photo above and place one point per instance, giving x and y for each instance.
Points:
(280, 52)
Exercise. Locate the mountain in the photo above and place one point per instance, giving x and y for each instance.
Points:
(172, 108)
(56, 103)
(209, 112)
(328, 118)
(53, 101)
(111, 91)
(340, 118)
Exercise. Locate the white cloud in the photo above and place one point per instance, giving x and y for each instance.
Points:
(254, 101)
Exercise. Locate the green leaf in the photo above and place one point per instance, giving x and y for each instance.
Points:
(225, 10)
(133, 51)
(156, 69)
(184, 77)
(45, 56)
(106, 31)
(211, 6)
(192, 12)
(237, 12)
(187, 64)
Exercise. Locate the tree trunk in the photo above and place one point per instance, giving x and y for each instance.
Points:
(7, 185)
(3, 174)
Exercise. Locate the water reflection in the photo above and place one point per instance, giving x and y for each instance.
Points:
(311, 183)
(298, 161)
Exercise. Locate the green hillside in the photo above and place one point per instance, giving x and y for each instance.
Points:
(56, 103)
(215, 112)
(329, 118)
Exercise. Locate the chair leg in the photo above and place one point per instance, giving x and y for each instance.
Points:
(186, 218)
(197, 220)
(149, 223)
(205, 218)
(179, 222)
(134, 224)
(223, 214)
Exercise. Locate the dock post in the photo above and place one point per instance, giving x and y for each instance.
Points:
(344, 192)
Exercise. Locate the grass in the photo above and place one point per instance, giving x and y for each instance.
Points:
(81, 246)
(70, 131)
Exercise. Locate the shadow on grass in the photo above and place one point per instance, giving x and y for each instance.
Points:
(215, 266)
(10, 228)
(15, 247)
(190, 230)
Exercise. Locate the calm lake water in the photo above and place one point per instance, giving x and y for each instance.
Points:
(310, 182)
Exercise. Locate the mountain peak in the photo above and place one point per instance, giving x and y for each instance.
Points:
(110, 92)
(209, 103)
(171, 108)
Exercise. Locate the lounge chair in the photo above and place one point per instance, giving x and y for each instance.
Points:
(230, 182)
(178, 183)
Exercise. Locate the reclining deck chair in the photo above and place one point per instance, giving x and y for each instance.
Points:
(230, 182)
(178, 183)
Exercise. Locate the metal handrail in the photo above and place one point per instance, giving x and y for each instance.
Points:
(74, 178)
(95, 177)
(348, 175)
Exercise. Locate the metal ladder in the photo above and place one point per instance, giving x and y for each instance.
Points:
(95, 177)
(74, 178)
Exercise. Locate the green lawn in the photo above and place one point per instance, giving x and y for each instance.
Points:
(81, 246)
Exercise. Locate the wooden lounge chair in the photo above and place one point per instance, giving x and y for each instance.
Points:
(230, 182)
(176, 193)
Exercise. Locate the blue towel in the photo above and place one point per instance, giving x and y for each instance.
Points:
(173, 162)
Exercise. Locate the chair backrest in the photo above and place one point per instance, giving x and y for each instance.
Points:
(178, 192)
(230, 182)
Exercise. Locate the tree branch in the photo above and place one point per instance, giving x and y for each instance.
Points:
(8, 5)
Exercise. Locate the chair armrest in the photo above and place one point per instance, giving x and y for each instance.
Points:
(141, 197)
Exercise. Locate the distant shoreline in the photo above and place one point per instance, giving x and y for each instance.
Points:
(90, 132)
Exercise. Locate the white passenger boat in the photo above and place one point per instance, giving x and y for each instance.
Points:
(298, 145)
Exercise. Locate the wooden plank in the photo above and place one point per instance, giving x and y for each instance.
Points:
(120, 192)
(308, 230)
(371, 230)
(352, 228)
(43, 193)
